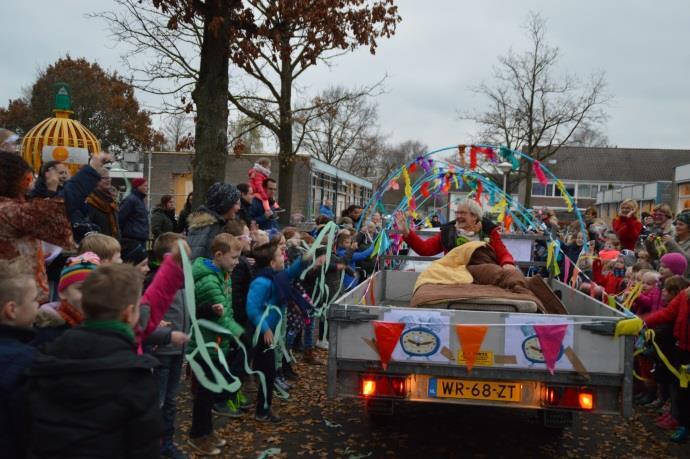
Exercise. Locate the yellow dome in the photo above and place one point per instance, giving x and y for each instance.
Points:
(57, 131)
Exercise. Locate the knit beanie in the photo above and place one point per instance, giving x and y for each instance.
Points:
(133, 252)
(684, 217)
(221, 197)
(676, 262)
(137, 182)
(78, 269)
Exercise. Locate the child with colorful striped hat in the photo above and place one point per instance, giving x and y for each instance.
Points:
(54, 318)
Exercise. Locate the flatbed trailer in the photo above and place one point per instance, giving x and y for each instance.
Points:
(593, 372)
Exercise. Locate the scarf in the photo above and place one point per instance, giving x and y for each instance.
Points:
(111, 325)
(70, 314)
(107, 205)
(287, 293)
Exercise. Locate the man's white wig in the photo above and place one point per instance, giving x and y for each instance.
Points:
(473, 206)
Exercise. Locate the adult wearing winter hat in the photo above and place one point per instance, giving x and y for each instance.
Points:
(133, 216)
(222, 204)
(678, 243)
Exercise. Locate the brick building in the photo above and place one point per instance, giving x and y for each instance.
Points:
(313, 181)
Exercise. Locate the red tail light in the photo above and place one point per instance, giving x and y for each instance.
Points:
(382, 386)
(576, 398)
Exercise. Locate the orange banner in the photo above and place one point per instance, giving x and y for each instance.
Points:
(471, 338)
(387, 336)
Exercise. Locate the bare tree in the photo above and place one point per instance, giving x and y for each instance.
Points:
(588, 136)
(161, 60)
(341, 119)
(178, 130)
(246, 136)
(533, 108)
(272, 42)
(376, 159)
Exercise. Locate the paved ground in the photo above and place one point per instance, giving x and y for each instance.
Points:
(317, 427)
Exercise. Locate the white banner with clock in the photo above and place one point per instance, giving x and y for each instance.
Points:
(521, 340)
(426, 336)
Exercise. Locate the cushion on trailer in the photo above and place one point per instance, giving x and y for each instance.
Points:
(474, 297)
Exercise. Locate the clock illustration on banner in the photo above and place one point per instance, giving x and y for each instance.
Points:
(420, 342)
(531, 347)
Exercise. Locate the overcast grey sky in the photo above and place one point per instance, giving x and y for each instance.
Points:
(442, 47)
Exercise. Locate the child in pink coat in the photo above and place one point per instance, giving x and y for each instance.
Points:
(257, 175)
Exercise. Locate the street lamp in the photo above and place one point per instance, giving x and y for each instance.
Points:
(505, 167)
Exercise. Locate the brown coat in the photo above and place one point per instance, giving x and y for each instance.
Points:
(24, 224)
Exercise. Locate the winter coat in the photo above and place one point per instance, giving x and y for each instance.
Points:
(212, 286)
(16, 357)
(241, 277)
(162, 221)
(159, 295)
(24, 224)
(182, 223)
(49, 324)
(326, 211)
(243, 213)
(204, 225)
(133, 217)
(353, 258)
(649, 301)
(262, 292)
(257, 175)
(178, 317)
(678, 313)
(445, 242)
(40, 190)
(612, 284)
(101, 210)
(258, 214)
(628, 230)
(90, 395)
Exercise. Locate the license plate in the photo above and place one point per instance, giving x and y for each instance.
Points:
(475, 390)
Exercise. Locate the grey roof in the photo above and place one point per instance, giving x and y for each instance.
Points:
(616, 164)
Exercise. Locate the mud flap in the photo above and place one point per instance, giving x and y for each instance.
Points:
(557, 419)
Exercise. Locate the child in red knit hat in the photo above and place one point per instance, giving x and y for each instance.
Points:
(54, 318)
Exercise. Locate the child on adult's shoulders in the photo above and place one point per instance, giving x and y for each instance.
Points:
(89, 392)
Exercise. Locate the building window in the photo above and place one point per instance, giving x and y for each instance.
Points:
(541, 190)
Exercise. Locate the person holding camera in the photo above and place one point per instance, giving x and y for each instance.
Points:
(661, 241)
(626, 225)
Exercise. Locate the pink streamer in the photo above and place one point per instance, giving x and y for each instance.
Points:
(539, 173)
(550, 340)
(566, 276)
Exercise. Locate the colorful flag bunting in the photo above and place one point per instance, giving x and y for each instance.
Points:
(471, 338)
(387, 336)
(551, 341)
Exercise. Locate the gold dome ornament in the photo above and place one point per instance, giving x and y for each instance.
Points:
(60, 138)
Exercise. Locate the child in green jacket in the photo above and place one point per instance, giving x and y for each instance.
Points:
(213, 293)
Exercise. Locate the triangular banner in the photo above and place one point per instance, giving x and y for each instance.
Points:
(387, 336)
(550, 340)
(471, 338)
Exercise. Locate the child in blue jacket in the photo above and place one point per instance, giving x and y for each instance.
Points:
(271, 286)
(346, 250)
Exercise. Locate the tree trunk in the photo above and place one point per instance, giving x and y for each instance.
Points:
(286, 153)
(211, 136)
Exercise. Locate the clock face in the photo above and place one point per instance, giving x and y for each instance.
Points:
(419, 342)
(532, 350)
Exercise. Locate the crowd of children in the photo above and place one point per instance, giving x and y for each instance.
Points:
(99, 368)
(97, 371)
(641, 265)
